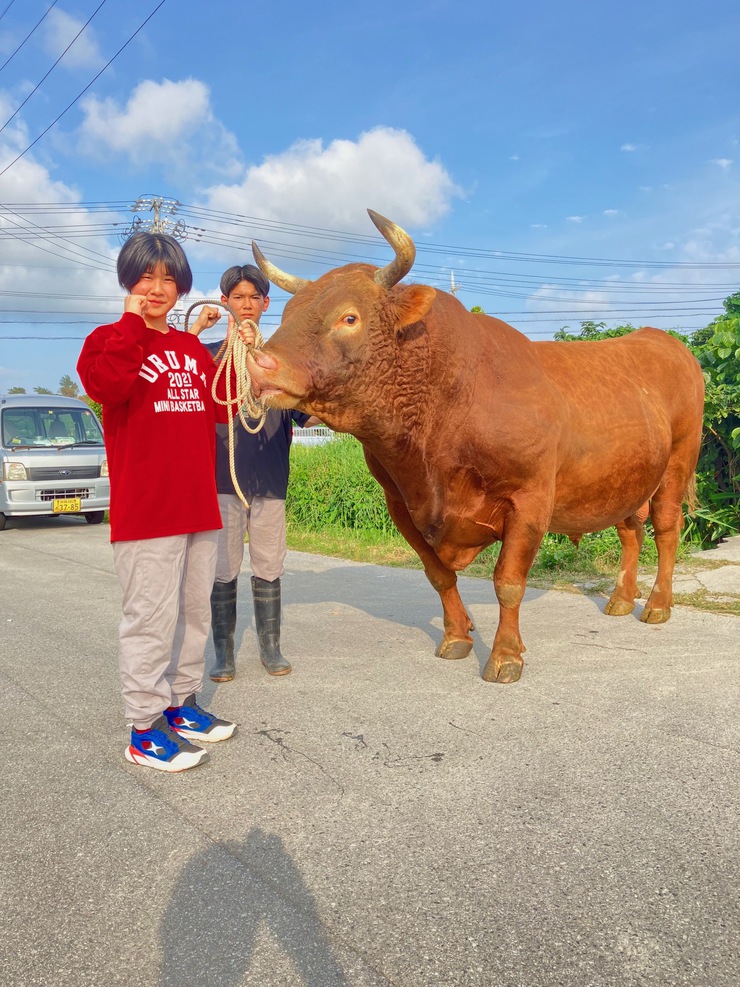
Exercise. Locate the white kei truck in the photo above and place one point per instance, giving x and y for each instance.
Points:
(52, 458)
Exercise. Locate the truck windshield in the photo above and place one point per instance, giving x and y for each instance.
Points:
(49, 427)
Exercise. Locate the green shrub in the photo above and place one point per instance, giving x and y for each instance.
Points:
(331, 487)
(94, 406)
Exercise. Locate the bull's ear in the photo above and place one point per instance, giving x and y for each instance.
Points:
(411, 304)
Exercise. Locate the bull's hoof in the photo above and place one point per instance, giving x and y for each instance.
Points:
(618, 608)
(453, 649)
(655, 615)
(505, 672)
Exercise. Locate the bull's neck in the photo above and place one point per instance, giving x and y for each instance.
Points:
(412, 384)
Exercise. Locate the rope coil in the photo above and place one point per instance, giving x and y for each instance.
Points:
(232, 360)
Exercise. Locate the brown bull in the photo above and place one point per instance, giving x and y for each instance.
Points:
(477, 434)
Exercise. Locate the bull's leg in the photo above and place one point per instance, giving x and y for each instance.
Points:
(631, 535)
(667, 517)
(518, 549)
(456, 641)
(666, 512)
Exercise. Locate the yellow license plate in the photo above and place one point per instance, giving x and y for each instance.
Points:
(66, 505)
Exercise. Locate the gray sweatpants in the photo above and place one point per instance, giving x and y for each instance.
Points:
(265, 524)
(166, 585)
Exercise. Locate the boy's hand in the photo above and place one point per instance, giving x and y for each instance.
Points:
(207, 317)
(136, 304)
(246, 332)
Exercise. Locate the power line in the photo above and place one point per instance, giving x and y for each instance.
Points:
(65, 256)
(81, 94)
(37, 24)
(219, 236)
(687, 301)
(46, 76)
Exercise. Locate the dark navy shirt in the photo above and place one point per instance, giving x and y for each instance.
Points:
(261, 460)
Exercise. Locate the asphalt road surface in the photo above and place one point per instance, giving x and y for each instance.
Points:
(382, 817)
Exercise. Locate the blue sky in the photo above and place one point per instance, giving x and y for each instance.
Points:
(561, 162)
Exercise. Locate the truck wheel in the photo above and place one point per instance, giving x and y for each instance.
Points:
(95, 517)
(3, 519)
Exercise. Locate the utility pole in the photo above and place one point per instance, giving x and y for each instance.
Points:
(454, 288)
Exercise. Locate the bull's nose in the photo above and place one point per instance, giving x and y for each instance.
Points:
(263, 360)
(258, 364)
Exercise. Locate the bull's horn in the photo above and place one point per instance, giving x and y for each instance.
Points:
(403, 246)
(288, 282)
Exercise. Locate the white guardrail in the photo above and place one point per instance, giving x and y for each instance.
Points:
(315, 436)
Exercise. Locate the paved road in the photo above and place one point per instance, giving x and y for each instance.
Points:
(383, 817)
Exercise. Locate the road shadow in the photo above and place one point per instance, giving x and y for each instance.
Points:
(46, 522)
(401, 596)
(228, 903)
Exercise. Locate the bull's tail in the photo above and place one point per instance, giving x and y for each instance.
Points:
(691, 497)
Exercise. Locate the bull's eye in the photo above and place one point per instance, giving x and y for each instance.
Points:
(350, 320)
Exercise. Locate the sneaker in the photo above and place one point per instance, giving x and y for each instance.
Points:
(161, 748)
(194, 723)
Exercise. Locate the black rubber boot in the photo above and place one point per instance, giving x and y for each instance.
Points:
(267, 619)
(223, 625)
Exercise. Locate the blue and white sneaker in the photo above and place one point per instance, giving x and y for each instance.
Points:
(161, 748)
(194, 723)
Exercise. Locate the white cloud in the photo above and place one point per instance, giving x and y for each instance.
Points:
(722, 162)
(628, 147)
(611, 212)
(59, 28)
(59, 277)
(514, 157)
(332, 185)
(166, 123)
(538, 226)
(575, 219)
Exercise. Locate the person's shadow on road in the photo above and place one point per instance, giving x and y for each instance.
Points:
(226, 898)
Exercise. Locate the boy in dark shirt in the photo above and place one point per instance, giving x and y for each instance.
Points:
(262, 467)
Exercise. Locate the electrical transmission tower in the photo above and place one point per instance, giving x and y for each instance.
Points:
(162, 209)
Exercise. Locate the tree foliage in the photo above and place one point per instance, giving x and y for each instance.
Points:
(94, 406)
(593, 330)
(717, 348)
(68, 388)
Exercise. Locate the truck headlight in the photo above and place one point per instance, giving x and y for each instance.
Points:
(104, 468)
(14, 471)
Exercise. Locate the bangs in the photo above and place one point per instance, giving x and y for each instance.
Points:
(142, 252)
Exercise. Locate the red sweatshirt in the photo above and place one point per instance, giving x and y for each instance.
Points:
(159, 425)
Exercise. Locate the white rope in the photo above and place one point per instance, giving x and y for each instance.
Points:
(232, 361)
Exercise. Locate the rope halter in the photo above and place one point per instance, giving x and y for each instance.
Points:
(232, 361)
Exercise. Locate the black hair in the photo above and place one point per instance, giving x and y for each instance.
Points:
(143, 251)
(244, 272)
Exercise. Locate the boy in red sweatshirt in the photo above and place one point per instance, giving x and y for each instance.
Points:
(154, 384)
